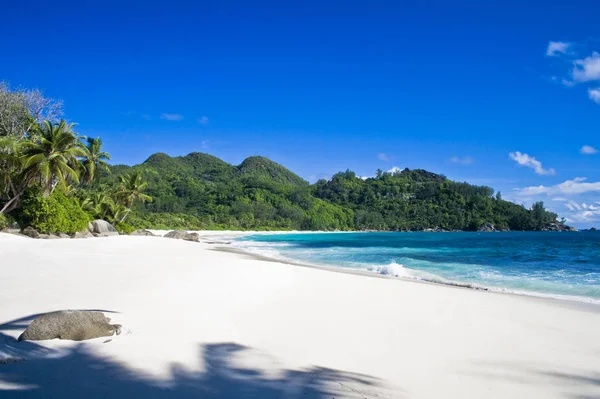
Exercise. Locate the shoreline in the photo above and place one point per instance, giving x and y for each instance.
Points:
(213, 237)
(592, 305)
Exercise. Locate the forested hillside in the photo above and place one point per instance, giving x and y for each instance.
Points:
(202, 191)
(56, 181)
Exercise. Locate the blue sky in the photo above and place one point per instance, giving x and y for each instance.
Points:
(323, 86)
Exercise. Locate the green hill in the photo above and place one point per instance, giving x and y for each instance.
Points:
(263, 168)
(201, 191)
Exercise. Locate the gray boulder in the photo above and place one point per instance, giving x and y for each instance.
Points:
(74, 325)
(487, 227)
(143, 233)
(30, 232)
(63, 235)
(49, 236)
(82, 234)
(183, 235)
(103, 228)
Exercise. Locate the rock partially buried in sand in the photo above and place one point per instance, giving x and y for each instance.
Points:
(30, 232)
(74, 325)
(103, 228)
(183, 235)
(48, 236)
(143, 233)
(82, 234)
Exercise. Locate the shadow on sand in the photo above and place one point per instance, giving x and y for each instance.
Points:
(31, 370)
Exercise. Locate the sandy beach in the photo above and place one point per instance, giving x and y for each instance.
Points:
(199, 322)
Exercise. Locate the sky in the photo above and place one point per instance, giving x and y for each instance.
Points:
(505, 95)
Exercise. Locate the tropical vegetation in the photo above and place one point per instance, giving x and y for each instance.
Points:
(55, 180)
(49, 174)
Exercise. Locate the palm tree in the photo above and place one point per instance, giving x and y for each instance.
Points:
(131, 190)
(52, 157)
(12, 183)
(94, 159)
(114, 212)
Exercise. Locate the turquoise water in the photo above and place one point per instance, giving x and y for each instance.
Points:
(563, 265)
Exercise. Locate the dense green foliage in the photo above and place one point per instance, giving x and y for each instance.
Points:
(3, 222)
(199, 191)
(56, 213)
(124, 228)
(417, 199)
(47, 171)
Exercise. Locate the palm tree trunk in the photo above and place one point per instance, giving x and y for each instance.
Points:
(125, 216)
(7, 207)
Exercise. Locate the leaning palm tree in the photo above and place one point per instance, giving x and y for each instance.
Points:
(12, 181)
(131, 190)
(115, 212)
(94, 159)
(52, 157)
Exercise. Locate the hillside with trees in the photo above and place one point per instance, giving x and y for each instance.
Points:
(55, 180)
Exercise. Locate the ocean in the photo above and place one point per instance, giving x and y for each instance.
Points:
(562, 265)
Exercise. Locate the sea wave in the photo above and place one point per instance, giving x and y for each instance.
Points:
(288, 252)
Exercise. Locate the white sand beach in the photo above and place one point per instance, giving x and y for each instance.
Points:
(204, 323)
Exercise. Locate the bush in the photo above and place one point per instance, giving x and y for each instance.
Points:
(124, 228)
(3, 222)
(55, 214)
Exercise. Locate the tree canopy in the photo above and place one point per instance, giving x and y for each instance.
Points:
(40, 153)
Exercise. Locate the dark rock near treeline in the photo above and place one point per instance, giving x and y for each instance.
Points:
(30, 232)
(487, 227)
(436, 230)
(74, 325)
(143, 233)
(558, 227)
(183, 235)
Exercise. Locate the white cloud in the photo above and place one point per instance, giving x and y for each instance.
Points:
(583, 215)
(530, 162)
(171, 117)
(463, 160)
(203, 120)
(557, 48)
(587, 69)
(568, 187)
(383, 157)
(594, 94)
(146, 117)
(395, 169)
(588, 149)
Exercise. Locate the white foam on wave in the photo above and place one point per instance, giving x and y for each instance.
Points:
(273, 250)
(394, 269)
